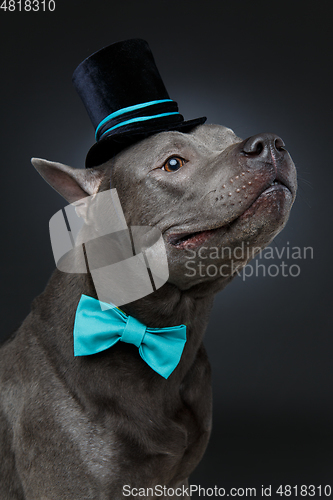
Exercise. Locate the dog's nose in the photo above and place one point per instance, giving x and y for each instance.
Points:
(263, 145)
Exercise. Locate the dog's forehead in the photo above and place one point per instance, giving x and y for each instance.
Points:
(204, 140)
(215, 137)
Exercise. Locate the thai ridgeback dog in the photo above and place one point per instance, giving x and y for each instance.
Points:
(86, 427)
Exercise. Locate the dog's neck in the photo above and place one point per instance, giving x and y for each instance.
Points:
(168, 306)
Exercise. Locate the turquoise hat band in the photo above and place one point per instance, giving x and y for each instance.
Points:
(131, 114)
(139, 119)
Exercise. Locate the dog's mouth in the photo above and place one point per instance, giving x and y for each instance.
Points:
(194, 239)
(191, 240)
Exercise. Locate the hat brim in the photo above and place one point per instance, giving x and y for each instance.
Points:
(113, 144)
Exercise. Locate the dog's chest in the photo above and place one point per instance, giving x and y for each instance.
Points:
(58, 438)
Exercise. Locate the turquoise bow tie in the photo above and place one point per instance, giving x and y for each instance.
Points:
(96, 330)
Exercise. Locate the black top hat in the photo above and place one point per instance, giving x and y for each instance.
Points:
(126, 99)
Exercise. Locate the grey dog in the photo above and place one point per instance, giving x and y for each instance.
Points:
(82, 428)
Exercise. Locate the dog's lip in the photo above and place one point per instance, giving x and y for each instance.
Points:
(276, 185)
(195, 238)
(180, 240)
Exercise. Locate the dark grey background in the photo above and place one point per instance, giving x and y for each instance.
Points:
(259, 66)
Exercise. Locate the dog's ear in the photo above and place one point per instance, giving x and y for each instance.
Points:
(72, 183)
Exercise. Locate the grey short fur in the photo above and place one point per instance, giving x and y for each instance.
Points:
(81, 428)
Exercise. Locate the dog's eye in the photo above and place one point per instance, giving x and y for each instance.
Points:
(173, 164)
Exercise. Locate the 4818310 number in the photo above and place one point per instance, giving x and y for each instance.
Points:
(28, 5)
